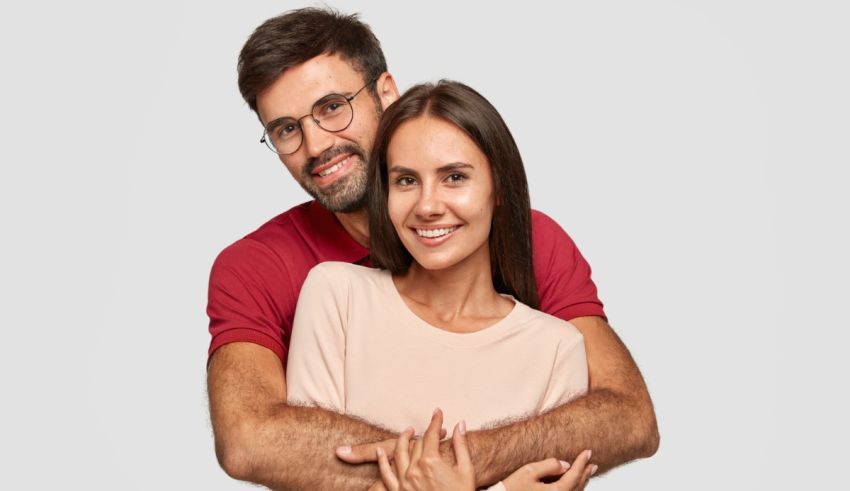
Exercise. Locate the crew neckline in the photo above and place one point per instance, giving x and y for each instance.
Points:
(483, 336)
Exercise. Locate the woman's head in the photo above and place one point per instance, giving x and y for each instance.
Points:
(447, 182)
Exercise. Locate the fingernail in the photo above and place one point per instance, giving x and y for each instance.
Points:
(589, 454)
(380, 452)
(593, 469)
(343, 450)
(462, 427)
(436, 411)
(564, 465)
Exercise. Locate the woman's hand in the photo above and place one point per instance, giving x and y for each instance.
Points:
(528, 477)
(424, 469)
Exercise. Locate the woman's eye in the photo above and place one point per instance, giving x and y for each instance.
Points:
(456, 177)
(404, 181)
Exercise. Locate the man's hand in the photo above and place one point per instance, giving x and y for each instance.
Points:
(367, 452)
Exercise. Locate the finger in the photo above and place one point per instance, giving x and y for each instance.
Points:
(544, 468)
(585, 477)
(402, 454)
(365, 452)
(387, 474)
(378, 486)
(431, 439)
(573, 478)
(416, 454)
(461, 448)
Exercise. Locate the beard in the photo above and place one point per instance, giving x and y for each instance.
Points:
(348, 193)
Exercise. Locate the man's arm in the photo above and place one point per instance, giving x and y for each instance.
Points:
(615, 419)
(259, 438)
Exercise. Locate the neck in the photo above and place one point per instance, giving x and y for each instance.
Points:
(460, 291)
(356, 224)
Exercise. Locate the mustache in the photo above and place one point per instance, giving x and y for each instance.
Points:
(332, 153)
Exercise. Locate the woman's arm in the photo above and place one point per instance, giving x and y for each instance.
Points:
(315, 373)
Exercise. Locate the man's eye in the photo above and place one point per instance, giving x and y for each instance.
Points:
(286, 130)
(331, 107)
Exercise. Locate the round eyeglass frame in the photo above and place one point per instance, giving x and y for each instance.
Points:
(268, 143)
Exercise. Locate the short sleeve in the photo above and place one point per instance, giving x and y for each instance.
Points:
(249, 291)
(569, 378)
(315, 372)
(563, 275)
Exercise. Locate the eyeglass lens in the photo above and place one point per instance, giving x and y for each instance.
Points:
(332, 113)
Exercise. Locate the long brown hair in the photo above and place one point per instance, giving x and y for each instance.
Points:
(510, 232)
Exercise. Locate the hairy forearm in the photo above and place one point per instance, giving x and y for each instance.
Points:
(291, 447)
(261, 439)
(616, 427)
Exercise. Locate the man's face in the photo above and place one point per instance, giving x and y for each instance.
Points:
(331, 167)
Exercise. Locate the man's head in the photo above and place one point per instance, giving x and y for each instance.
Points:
(292, 61)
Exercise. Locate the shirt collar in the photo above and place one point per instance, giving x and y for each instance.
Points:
(333, 242)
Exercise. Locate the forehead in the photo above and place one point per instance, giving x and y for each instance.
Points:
(428, 142)
(295, 91)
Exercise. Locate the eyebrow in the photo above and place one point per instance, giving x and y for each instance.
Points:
(446, 168)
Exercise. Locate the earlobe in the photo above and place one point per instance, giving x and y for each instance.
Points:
(387, 90)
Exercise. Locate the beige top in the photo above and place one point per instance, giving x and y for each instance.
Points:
(358, 349)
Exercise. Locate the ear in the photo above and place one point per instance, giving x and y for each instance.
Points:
(387, 90)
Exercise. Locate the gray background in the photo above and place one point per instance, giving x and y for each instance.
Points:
(696, 151)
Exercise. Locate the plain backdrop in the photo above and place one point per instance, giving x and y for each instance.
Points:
(696, 151)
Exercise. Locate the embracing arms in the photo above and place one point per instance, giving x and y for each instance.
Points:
(259, 438)
(615, 419)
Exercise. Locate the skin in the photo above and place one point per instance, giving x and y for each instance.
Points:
(440, 179)
(424, 469)
(259, 438)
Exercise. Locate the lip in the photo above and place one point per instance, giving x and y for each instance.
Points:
(330, 163)
(325, 180)
(434, 241)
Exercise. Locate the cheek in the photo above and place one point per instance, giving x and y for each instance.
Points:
(478, 204)
(396, 208)
(293, 166)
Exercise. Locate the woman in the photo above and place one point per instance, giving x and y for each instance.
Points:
(448, 319)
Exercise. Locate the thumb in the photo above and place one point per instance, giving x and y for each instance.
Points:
(548, 467)
(366, 452)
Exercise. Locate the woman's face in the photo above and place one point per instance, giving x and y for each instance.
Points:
(440, 193)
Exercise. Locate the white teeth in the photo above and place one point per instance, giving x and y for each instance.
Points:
(331, 170)
(437, 232)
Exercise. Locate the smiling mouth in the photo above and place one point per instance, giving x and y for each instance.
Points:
(334, 168)
(435, 232)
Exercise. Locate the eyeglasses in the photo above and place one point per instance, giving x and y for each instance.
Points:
(332, 113)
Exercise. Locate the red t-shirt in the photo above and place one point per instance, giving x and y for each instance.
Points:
(254, 283)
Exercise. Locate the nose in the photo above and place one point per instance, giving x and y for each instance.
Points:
(430, 204)
(316, 140)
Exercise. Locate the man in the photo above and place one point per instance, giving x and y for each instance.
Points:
(318, 82)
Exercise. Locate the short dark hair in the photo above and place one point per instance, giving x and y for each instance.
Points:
(299, 35)
(510, 231)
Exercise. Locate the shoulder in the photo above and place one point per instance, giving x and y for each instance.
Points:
(546, 231)
(268, 248)
(549, 328)
(337, 273)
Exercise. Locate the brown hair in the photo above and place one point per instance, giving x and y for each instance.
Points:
(299, 35)
(510, 232)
